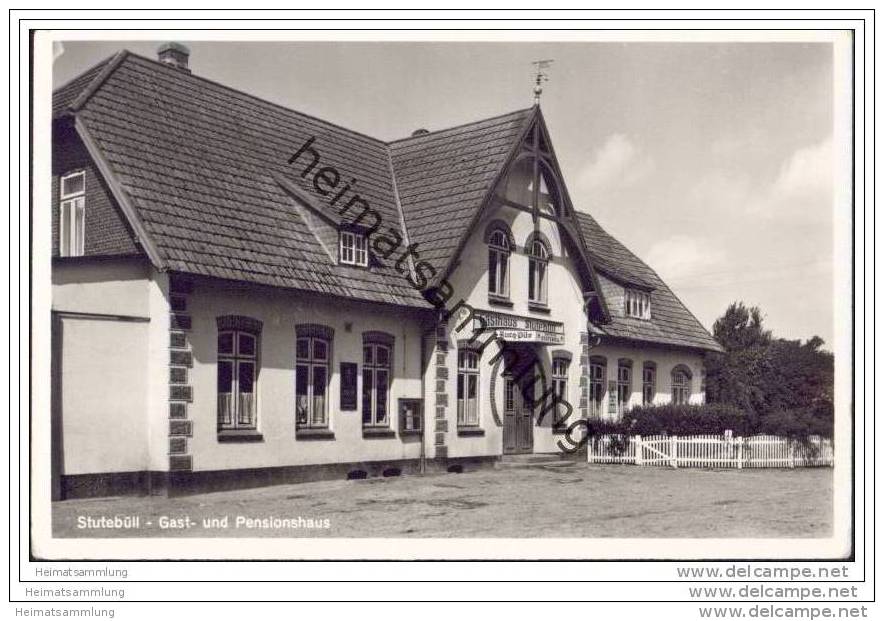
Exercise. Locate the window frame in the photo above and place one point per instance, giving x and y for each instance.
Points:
(499, 262)
(559, 370)
(72, 217)
(374, 368)
(538, 268)
(637, 304)
(509, 393)
(468, 373)
(597, 385)
(237, 359)
(649, 386)
(311, 364)
(357, 249)
(624, 385)
(678, 387)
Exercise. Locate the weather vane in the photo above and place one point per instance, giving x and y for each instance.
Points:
(540, 77)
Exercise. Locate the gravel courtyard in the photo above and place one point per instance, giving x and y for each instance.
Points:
(578, 500)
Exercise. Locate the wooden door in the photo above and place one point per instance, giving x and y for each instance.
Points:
(518, 413)
(525, 414)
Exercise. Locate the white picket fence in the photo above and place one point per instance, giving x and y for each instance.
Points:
(710, 451)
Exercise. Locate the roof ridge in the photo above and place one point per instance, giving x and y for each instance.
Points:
(73, 79)
(461, 125)
(108, 66)
(114, 61)
(255, 97)
(395, 185)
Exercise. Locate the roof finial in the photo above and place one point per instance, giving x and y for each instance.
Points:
(540, 78)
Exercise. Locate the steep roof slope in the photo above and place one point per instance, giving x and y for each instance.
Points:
(201, 163)
(197, 160)
(671, 322)
(65, 95)
(444, 176)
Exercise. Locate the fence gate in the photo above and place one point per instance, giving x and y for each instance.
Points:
(710, 451)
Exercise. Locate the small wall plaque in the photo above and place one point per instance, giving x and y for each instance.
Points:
(349, 385)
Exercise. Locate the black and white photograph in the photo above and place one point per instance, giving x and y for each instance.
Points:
(462, 290)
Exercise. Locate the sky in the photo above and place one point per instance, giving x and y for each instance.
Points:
(711, 161)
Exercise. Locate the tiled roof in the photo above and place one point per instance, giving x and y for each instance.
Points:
(201, 164)
(444, 176)
(64, 95)
(671, 322)
(197, 160)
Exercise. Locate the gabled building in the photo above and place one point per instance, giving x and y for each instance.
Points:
(244, 294)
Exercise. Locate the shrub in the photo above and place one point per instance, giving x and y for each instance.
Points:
(799, 422)
(715, 419)
(687, 420)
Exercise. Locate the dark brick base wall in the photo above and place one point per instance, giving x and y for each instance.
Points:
(113, 484)
(185, 483)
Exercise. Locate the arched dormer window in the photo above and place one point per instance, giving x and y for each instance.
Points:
(499, 249)
(538, 261)
(681, 385)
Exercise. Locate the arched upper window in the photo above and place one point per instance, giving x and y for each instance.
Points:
(681, 385)
(538, 261)
(499, 249)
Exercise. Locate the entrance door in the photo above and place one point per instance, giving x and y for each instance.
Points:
(518, 413)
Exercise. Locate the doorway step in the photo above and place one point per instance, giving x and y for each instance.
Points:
(534, 460)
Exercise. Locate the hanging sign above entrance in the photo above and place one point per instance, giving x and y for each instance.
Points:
(516, 329)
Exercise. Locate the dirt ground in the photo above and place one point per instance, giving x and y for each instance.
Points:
(579, 500)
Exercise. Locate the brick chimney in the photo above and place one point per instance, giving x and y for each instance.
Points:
(174, 54)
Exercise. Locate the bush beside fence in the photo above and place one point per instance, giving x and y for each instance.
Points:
(710, 451)
(712, 418)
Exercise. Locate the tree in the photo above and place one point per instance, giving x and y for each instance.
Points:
(787, 383)
(735, 376)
